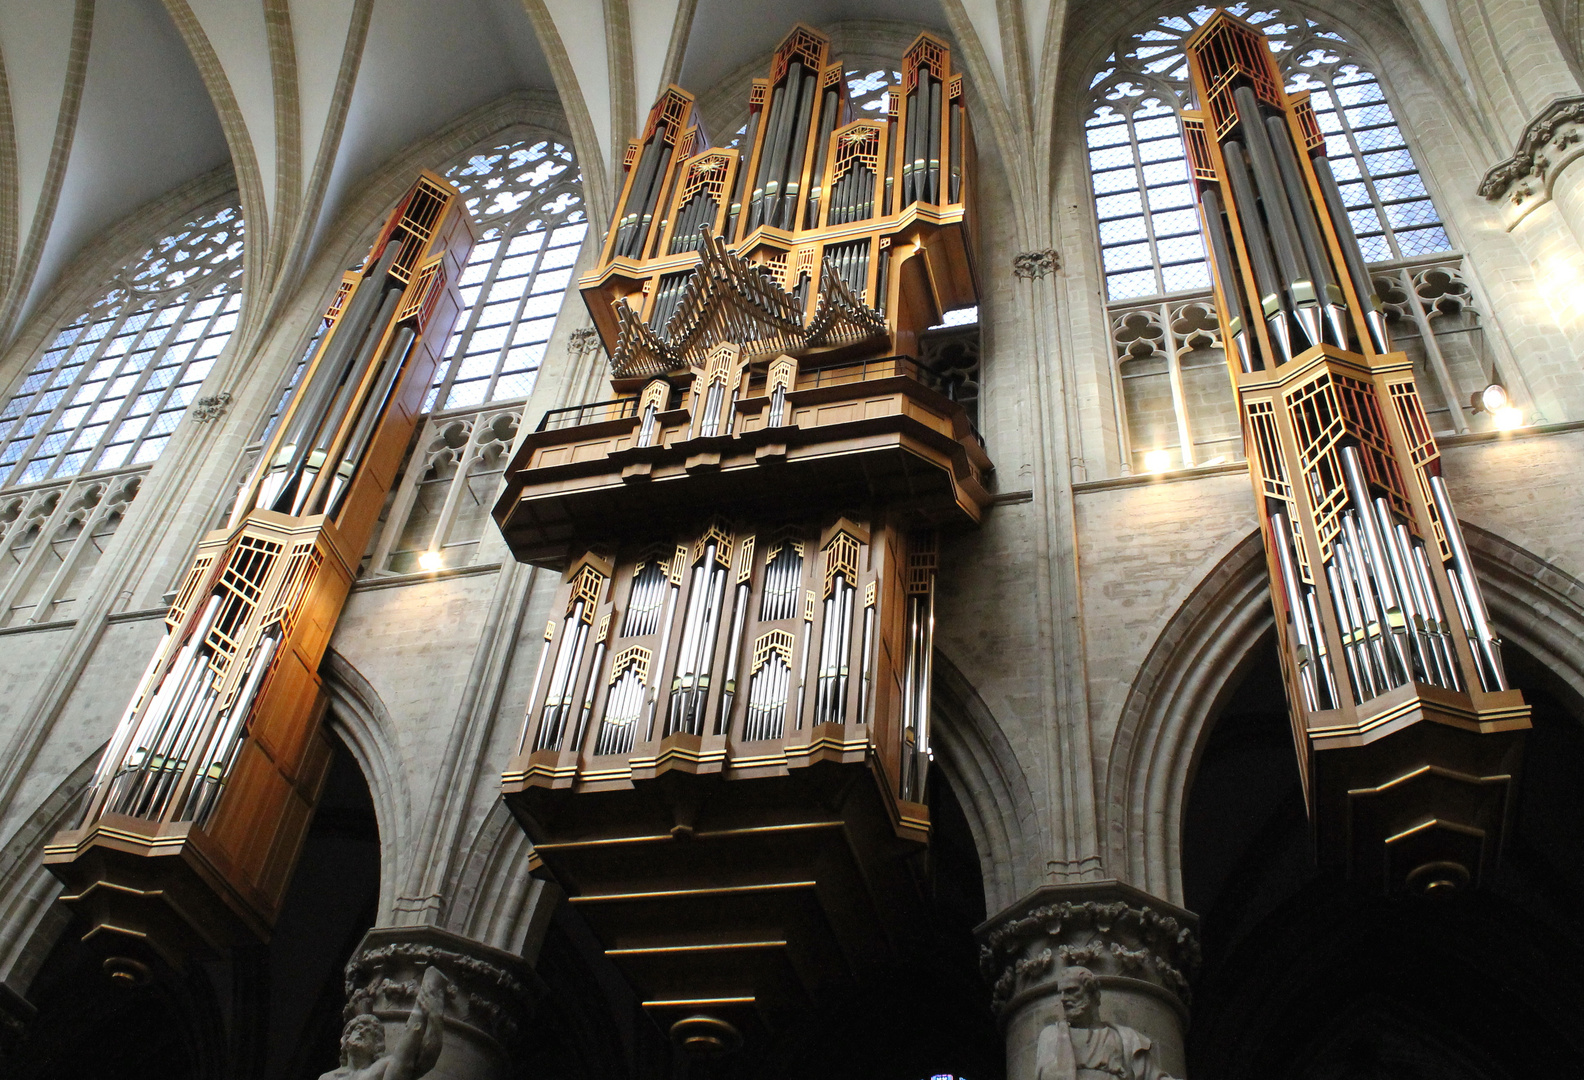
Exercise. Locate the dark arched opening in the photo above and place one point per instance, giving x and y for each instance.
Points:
(265, 1012)
(1306, 976)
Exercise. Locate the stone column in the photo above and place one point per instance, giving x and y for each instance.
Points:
(485, 1012)
(1141, 949)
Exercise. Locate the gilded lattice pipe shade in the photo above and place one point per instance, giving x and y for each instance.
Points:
(201, 800)
(1407, 731)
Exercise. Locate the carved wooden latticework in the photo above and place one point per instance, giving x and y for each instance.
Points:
(202, 797)
(1405, 726)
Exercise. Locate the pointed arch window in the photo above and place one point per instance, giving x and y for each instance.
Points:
(1149, 232)
(110, 386)
(526, 197)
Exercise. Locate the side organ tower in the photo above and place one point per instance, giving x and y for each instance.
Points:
(202, 798)
(1407, 732)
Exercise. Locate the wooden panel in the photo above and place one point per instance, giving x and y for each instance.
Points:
(244, 825)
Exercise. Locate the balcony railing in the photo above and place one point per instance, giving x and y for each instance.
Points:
(594, 412)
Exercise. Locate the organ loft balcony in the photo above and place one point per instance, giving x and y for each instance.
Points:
(725, 758)
(788, 443)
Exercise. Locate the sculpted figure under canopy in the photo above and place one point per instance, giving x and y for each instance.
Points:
(1081, 1046)
(363, 1054)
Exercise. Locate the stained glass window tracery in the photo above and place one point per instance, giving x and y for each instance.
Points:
(1149, 232)
(111, 385)
(525, 193)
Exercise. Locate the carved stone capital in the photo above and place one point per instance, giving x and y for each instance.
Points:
(1036, 264)
(209, 408)
(1121, 934)
(584, 341)
(1550, 141)
(493, 993)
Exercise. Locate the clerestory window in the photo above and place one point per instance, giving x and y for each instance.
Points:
(1149, 229)
(526, 197)
(110, 386)
(1174, 402)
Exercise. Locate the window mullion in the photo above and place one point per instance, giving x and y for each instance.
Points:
(64, 403)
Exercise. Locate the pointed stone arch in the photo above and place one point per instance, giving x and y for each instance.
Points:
(1199, 659)
(359, 718)
(990, 783)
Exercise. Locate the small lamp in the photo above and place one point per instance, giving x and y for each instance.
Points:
(1494, 400)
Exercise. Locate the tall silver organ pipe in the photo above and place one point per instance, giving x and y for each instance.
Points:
(1352, 255)
(1304, 305)
(1256, 241)
(1308, 231)
(1221, 259)
(286, 484)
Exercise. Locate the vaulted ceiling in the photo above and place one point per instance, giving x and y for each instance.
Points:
(106, 105)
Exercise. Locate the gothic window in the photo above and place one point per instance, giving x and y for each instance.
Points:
(526, 197)
(1149, 230)
(112, 384)
(1174, 402)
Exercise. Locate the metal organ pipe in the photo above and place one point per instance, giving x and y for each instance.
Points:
(1278, 215)
(932, 147)
(626, 233)
(1389, 586)
(1256, 242)
(221, 750)
(533, 694)
(803, 664)
(774, 139)
(733, 656)
(373, 410)
(344, 399)
(741, 181)
(651, 203)
(830, 101)
(279, 489)
(587, 711)
(1308, 230)
(1477, 624)
(1226, 271)
(1421, 567)
(1351, 254)
(797, 153)
(152, 727)
(1296, 610)
(652, 696)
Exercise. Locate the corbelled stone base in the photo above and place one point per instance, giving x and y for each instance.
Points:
(1141, 949)
(485, 1013)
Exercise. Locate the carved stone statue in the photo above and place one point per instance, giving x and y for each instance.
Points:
(363, 1054)
(1081, 1046)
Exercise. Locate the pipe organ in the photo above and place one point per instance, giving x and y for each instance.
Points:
(201, 800)
(1407, 731)
(725, 758)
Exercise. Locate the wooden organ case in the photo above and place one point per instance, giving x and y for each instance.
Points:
(198, 809)
(726, 748)
(1407, 732)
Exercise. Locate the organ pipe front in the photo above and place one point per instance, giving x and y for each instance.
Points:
(1407, 731)
(203, 795)
(725, 758)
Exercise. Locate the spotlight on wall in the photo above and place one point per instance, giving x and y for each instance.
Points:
(431, 561)
(1157, 460)
(1494, 400)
